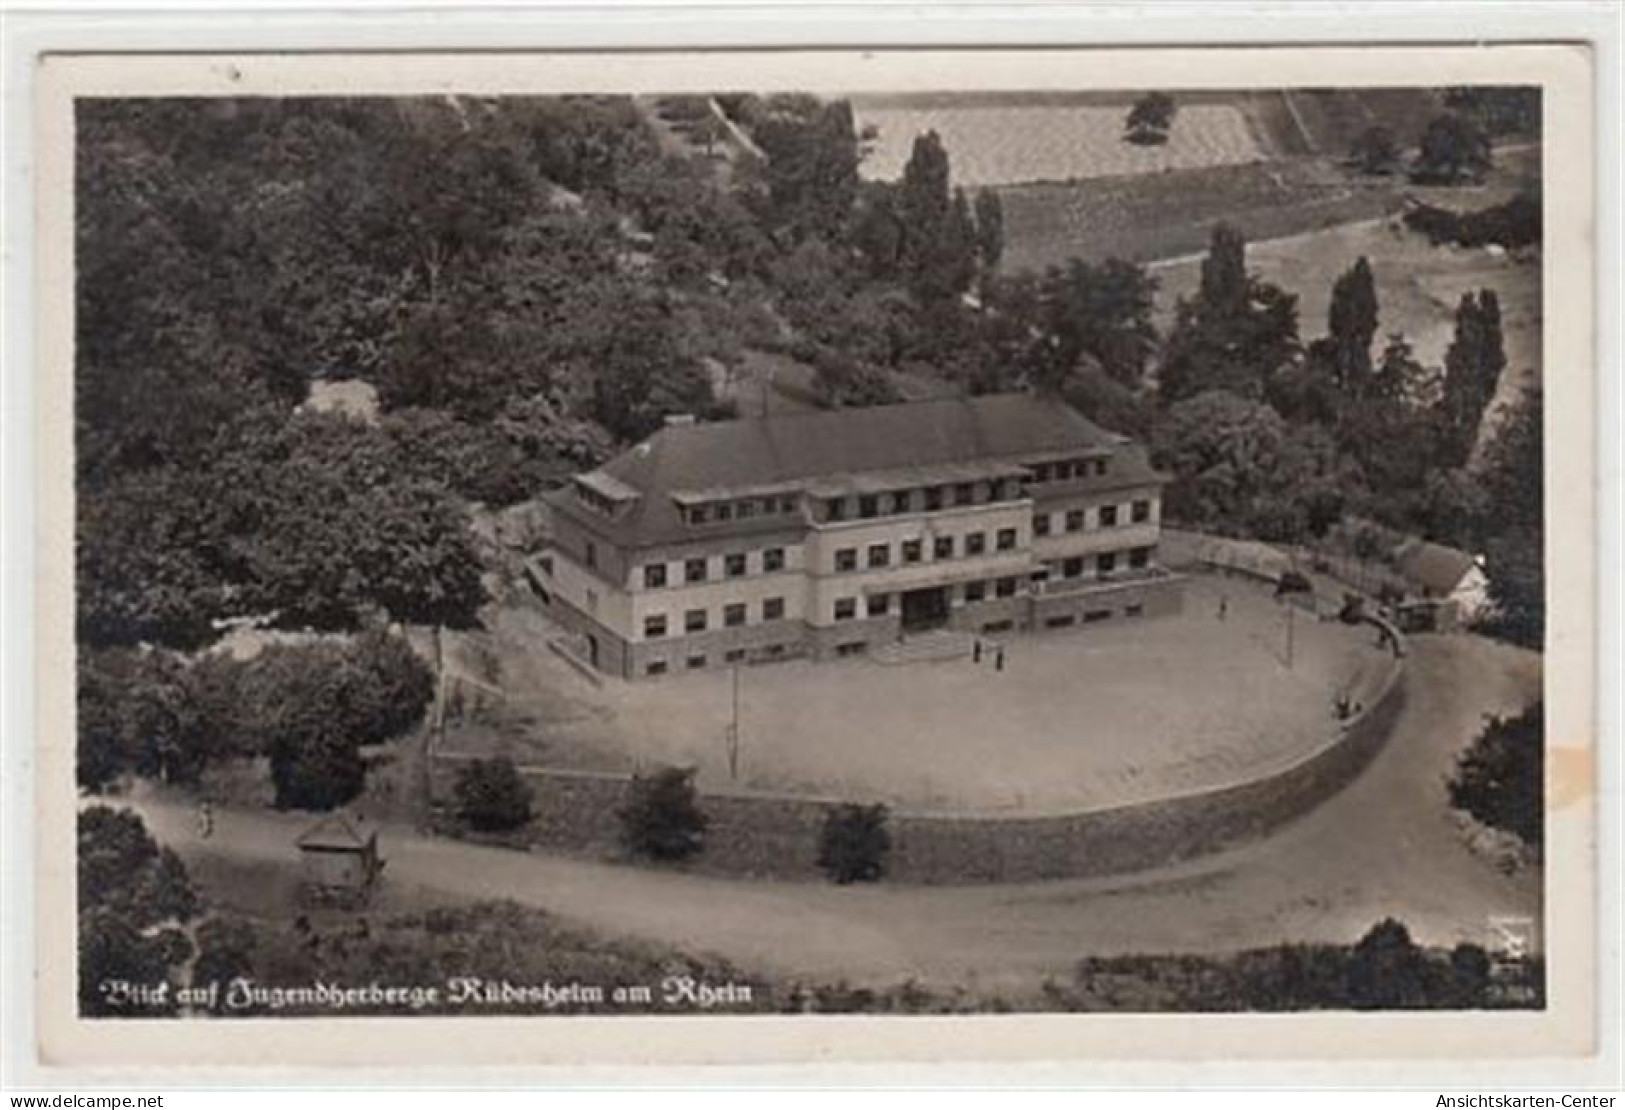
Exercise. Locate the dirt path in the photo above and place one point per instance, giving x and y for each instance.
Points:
(1386, 845)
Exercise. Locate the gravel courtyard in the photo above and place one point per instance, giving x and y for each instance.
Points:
(1093, 717)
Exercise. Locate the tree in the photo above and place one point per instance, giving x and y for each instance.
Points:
(1352, 324)
(1100, 311)
(1236, 334)
(1469, 976)
(810, 176)
(1500, 779)
(1472, 371)
(939, 246)
(1386, 970)
(144, 712)
(134, 901)
(853, 843)
(1453, 149)
(990, 229)
(1149, 119)
(661, 818)
(1376, 151)
(492, 796)
(1239, 468)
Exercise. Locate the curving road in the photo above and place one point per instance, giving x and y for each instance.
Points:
(1387, 845)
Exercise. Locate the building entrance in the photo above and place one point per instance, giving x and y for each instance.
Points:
(923, 609)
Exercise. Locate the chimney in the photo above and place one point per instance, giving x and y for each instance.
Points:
(679, 419)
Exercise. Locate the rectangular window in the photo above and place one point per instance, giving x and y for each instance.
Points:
(993, 628)
(725, 511)
(942, 547)
(868, 506)
(846, 558)
(787, 504)
(746, 510)
(1141, 512)
(1007, 539)
(1006, 587)
(733, 614)
(975, 591)
(654, 575)
(772, 559)
(1108, 516)
(856, 647)
(933, 499)
(654, 626)
(902, 502)
(835, 509)
(734, 655)
(698, 515)
(693, 570)
(774, 651)
(1072, 568)
(733, 565)
(694, 620)
(964, 493)
(1106, 562)
(1100, 468)
(913, 551)
(1041, 524)
(590, 554)
(655, 666)
(773, 609)
(1059, 622)
(1041, 473)
(1135, 610)
(1074, 520)
(879, 604)
(1095, 616)
(695, 662)
(1139, 557)
(846, 608)
(975, 543)
(879, 554)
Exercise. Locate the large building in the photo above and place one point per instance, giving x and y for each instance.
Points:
(834, 533)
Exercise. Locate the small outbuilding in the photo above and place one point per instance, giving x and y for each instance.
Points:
(1447, 582)
(339, 858)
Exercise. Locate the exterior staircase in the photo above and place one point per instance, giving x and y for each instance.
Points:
(936, 646)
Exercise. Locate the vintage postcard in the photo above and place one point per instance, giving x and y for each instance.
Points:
(761, 557)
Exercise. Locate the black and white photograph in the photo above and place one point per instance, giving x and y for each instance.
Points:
(800, 551)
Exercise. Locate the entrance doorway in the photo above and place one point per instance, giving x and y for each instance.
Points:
(924, 609)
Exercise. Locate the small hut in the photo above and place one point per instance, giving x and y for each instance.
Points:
(339, 858)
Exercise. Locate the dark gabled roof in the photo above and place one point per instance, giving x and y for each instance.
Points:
(336, 832)
(1433, 566)
(793, 449)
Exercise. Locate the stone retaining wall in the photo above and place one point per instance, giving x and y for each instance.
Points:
(760, 834)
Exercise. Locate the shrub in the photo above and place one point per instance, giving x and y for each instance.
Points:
(662, 818)
(492, 796)
(1500, 779)
(1387, 970)
(853, 845)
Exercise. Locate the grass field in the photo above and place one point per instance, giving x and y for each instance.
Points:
(1167, 215)
(1074, 720)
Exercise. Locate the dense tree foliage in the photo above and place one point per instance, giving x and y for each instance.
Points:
(661, 819)
(309, 707)
(1454, 149)
(1500, 780)
(1236, 334)
(134, 903)
(492, 796)
(1149, 119)
(853, 843)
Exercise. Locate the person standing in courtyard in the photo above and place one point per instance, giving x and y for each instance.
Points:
(998, 660)
(976, 651)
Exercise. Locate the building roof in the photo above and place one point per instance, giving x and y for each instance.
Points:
(1433, 566)
(336, 832)
(786, 451)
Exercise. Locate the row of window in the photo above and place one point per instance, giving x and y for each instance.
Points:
(698, 660)
(1075, 520)
(735, 614)
(735, 564)
(743, 509)
(869, 506)
(1067, 469)
(878, 555)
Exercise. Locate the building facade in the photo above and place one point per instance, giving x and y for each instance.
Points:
(831, 534)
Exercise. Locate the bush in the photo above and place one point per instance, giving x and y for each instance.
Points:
(1387, 970)
(492, 796)
(1517, 223)
(1500, 780)
(662, 819)
(853, 845)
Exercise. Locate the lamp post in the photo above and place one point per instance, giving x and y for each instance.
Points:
(733, 730)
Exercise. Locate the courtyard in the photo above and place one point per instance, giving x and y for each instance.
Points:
(1109, 714)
